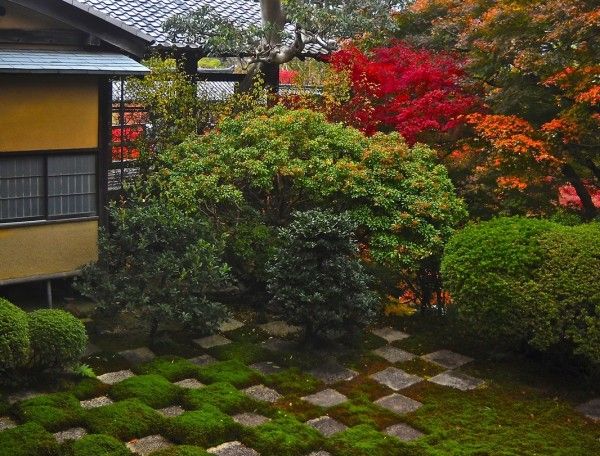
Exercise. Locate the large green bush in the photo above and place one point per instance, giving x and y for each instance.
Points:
(14, 337)
(316, 279)
(58, 339)
(518, 280)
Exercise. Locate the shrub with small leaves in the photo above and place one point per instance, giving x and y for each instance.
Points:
(14, 337)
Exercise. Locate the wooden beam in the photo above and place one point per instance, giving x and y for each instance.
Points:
(48, 37)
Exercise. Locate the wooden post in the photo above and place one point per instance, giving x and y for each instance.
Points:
(49, 293)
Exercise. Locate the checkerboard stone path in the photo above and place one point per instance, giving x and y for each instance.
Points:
(96, 402)
(447, 359)
(331, 373)
(266, 367)
(111, 378)
(70, 434)
(398, 404)
(389, 334)
(233, 449)
(172, 411)
(138, 355)
(148, 445)
(393, 354)
(326, 398)
(189, 383)
(590, 409)
(403, 432)
(230, 325)
(279, 329)
(326, 425)
(6, 422)
(395, 378)
(216, 340)
(263, 393)
(250, 419)
(457, 380)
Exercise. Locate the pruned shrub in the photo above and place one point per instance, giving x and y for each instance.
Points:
(316, 279)
(58, 339)
(14, 337)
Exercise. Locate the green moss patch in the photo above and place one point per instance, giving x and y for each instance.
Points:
(89, 388)
(221, 395)
(55, 412)
(171, 368)
(303, 410)
(205, 427)
(361, 410)
(124, 420)
(98, 445)
(420, 367)
(29, 439)
(365, 440)
(284, 436)
(246, 352)
(293, 381)
(233, 371)
(151, 389)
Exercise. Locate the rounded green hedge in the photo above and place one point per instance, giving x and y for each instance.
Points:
(58, 339)
(14, 337)
(518, 281)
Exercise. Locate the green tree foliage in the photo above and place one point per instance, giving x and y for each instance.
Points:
(160, 264)
(316, 278)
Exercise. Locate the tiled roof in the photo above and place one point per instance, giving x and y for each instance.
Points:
(148, 16)
(68, 62)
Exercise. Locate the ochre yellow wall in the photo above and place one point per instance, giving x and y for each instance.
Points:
(43, 112)
(47, 249)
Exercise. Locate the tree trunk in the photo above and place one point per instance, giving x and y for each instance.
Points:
(589, 210)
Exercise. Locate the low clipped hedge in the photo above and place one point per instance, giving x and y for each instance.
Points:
(518, 281)
(14, 337)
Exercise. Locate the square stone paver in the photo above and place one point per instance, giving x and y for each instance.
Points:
(275, 344)
(6, 422)
(23, 395)
(395, 378)
(190, 383)
(70, 434)
(389, 334)
(250, 419)
(111, 378)
(326, 398)
(263, 393)
(327, 426)
(171, 412)
(331, 373)
(266, 367)
(403, 432)
(232, 449)
(279, 329)
(320, 453)
(398, 403)
(148, 445)
(393, 354)
(216, 340)
(203, 360)
(456, 380)
(230, 325)
(138, 355)
(96, 402)
(591, 409)
(447, 359)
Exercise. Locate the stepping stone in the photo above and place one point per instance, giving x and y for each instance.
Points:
(266, 367)
(327, 426)
(250, 419)
(215, 340)
(403, 432)
(393, 354)
(148, 445)
(230, 325)
(447, 359)
(96, 402)
(320, 453)
(333, 373)
(190, 383)
(389, 334)
(202, 360)
(395, 378)
(232, 449)
(456, 380)
(6, 422)
(326, 398)
(590, 409)
(90, 350)
(70, 434)
(275, 344)
(138, 355)
(111, 378)
(173, 411)
(398, 403)
(263, 393)
(279, 329)
(23, 395)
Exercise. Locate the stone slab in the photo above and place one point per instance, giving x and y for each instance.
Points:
(590, 409)
(230, 325)
(70, 434)
(250, 419)
(398, 403)
(332, 373)
(326, 425)
(403, 432)
(148, 445)
(275, 344)
(447, 359)
(203, 360)
(263, 393)
(96, 402)
(216, 340)
(266, 367)
(111, 378)
(279, 329)
(232, 449)
(393, 354)
(326, 398)
(6, 422)
(456, 380)
(171, 412)
(389, 334)
(138, 355)
(190, 383)
(320, 453)
(395, 378)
